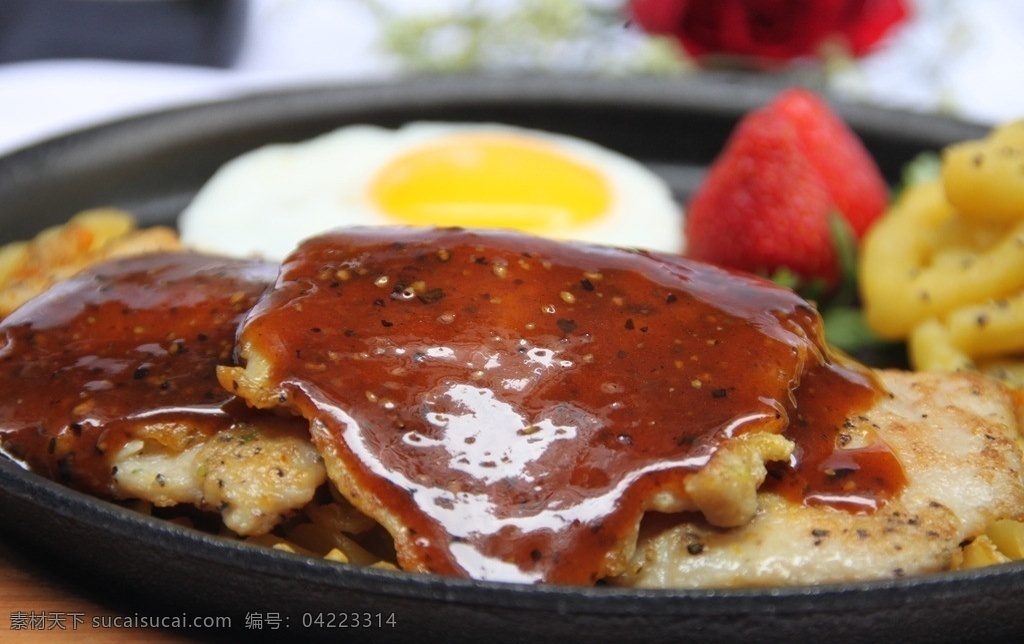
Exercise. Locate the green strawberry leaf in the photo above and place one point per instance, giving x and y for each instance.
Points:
(845, 326)
(926, 166)
(846, 329)
(812, 290)
(845, 242)
(818, 290)
(786, 277)
(839, 304)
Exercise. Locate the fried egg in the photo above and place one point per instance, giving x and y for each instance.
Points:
(431, 174)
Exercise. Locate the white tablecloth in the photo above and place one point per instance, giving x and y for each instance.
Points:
(966, 58)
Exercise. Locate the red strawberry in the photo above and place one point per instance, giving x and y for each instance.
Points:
(763, 206)
(768, 200)
(851, 175)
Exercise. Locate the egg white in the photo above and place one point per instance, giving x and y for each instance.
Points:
(264, 202)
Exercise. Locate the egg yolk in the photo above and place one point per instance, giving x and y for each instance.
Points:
(488, 180)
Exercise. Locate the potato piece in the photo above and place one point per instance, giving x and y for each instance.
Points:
(1008, 537)
(984, 179)
(27, 268)
(989, 329)
(930, 348)
(980, 553)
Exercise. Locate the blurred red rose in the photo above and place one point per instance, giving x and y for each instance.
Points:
(771, 31)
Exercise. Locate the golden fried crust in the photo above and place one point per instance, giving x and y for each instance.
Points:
(254, 473)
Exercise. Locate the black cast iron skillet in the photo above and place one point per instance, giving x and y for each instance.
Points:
(153, 164)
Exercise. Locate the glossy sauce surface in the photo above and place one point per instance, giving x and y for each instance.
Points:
(516, 402)
(122, 345)
(836, 462)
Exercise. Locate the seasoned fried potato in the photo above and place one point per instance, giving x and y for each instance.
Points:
(944, 268)
(930, 348)
(27, 268)
(984, 179)
(1008, 536)
(913, 269)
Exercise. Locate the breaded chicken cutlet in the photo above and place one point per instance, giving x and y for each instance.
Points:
(956, 436)
(110, 386)
(510, 407)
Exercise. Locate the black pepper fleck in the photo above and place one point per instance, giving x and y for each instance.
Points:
(566, 326)
(432, 295)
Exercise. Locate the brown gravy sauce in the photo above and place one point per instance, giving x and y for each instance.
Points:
(514, 402)
(128, 343)
(831, 466)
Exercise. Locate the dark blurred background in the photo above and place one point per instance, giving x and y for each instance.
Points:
(66, 64)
